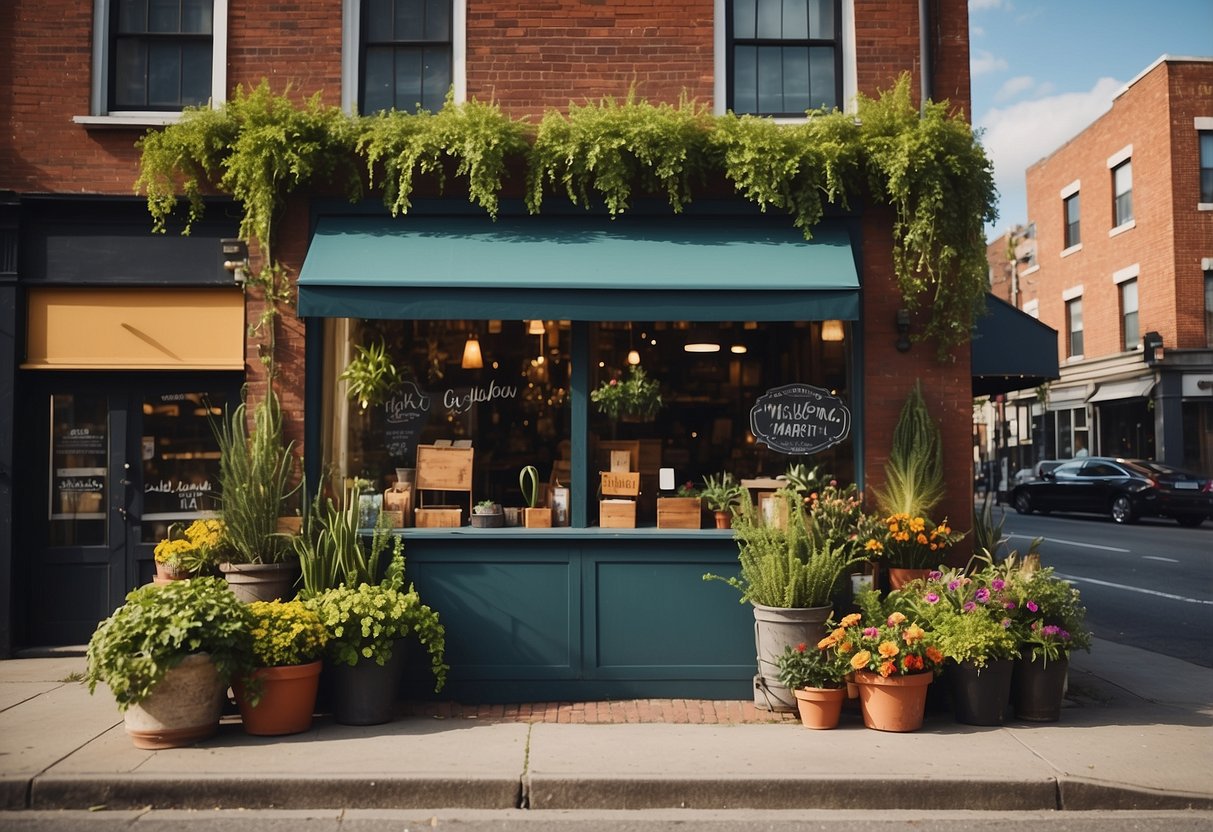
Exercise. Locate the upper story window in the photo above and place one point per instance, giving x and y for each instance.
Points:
(1122, 193)
(152, 58)
(1209, 308)
(1074, 328)
(1072, 232)
(1206, 167)
(406, 56)
(1129, 329)
(783, 57)
(161, 54)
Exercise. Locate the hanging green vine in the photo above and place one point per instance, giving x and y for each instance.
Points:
(479, 137)
(612, 147)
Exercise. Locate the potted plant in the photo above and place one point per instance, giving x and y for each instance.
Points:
(487, 515)
(972, 627)
(187, 552)
(837, 516)
(912, 546)
(914, 481)
(367, 625)
(789, 582)
(167, 654)
(682, 511)
(256, 469)
(817, 676)
(533, 516)
(893, 659)
(278, 696)
(636, 397)
(370, 376)
(722, 494)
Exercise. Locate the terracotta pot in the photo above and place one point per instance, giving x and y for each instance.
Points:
(894, 703)
(288, 699)
(1037, 688)
(166, 573)
(724, 520)
(182, 709)
(261, 581)
(899, 577)
(820, 708)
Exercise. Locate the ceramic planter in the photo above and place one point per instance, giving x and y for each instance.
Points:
(980, 695)
(182, 709)
(288, 700)
(1037, 688)
(894, 703)
(820, 708)
(261, 581)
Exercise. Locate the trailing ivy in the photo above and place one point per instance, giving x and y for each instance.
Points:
(612, 147)
(479, 137)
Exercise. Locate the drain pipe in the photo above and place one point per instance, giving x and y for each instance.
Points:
(924, 53)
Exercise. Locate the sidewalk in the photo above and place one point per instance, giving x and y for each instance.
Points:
(1137, 733)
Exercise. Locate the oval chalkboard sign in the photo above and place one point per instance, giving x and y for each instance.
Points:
(799, 419)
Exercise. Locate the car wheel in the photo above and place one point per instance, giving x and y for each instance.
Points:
(1122, 510)
(1190, 521)
(1023, 502)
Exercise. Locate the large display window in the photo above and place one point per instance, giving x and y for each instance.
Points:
(557, 395)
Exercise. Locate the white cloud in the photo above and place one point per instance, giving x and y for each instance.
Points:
(1014, 86)
(977, 31)
(1021, 134)
(983, 61)
(980, 5)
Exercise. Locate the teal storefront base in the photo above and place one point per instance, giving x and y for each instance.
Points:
(582, 614)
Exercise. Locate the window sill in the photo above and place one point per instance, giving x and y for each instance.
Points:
(1071, 250)
(1204, 206)
(1122, 228)
(1030, 270)
(126, 121)
(1074, 359)
(516, 532)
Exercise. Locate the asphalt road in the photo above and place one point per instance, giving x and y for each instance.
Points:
(1148, 585)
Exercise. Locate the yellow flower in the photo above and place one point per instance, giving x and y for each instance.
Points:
(850, 620)
(874, 545)
(846, 647)
(917, 524)
(828, 641)
(887, 649)
(860, 660)
(913, 633)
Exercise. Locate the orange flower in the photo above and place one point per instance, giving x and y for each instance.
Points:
(887, 649)
(860, 660)
(922, 539)
(846, 647)
(895, 619)
(888, 669)
(828, 641)
(934, 655)
(850, 620)
(912, 663)
(874, 546)
(913, 633)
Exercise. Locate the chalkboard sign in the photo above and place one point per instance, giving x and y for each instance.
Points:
(405, 414)
(799, 419)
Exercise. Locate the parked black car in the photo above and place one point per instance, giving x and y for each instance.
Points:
(1124, 488)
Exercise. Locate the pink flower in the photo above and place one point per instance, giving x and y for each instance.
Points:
(870, 632)
(998, 584)
(983, 595)
(1032, 606)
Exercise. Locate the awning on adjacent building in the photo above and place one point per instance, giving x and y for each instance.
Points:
(578, 268)
(1011, 350)
(1110, 391)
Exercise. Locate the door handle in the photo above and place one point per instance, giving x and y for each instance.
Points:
(123, 512)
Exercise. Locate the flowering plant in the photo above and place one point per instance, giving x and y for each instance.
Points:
(286, 633)
(913, 542)
(636, 395)
(1048, 612)
(884, 639)
(837, 516)
(193, 549)
(813, 667)
(969, 614)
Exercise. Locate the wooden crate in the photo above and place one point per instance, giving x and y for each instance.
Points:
(537, 518)
(442, 468)
(439, 517)
(678, 512)
(617, 514)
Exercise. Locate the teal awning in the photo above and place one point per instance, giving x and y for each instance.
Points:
(1011, 350)
(578, 268)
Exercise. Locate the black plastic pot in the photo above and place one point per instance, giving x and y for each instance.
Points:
(980, 694)
(1038, 688)
(365, 693)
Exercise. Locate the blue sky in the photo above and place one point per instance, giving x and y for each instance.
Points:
(1045, 69)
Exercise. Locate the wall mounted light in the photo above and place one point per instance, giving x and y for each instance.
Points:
(1151, 345)
(535, 328)
(831, 330)
(472, 360)
(903, 330)
(235, 258)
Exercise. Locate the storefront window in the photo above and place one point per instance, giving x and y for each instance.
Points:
(515, 409)
(76, 505)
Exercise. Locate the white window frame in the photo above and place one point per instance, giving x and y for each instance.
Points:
(1032, 307)
(100, 114)
(720, 49)
(351, 30)
(1202, 124)
(1125, 154)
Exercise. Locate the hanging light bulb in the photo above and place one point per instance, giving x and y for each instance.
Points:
(472, 359)
(831, 330)
(633, 357)
(535, 328)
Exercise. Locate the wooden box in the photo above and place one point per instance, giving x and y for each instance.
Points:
(678, 512)
(439, 517)
(617, 514)
(537, 518)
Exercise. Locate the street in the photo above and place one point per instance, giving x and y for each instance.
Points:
(1148, 585)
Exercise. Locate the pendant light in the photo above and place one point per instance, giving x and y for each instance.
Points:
(831, 330)
(472, 359)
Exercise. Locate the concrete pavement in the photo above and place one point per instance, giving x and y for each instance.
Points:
(1137, 733)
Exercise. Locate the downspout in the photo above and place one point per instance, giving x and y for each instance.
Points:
(924, 53)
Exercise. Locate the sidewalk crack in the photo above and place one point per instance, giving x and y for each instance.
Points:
(524, 791)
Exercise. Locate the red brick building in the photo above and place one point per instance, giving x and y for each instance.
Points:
(119, 344)
(1124, 271)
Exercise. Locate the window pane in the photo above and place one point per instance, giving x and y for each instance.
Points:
(377, 86)
(743, 18)
(770, 79)
(1132, 336)
(438, 20)
(1072, 235)
(408, 79)
(132, 16)
(79, 466)
(130, 69)
(1206, 167)
(796, 98)
(1209, 309)
(437, 78)
(196, 16)
(1122, 187)
(821, 18)
(195, 73)
(745, 79)
(795, 19)
(770, 18)
(409, 20)
(821, 74)
(377, 19)
(164, 75)
(163, 16)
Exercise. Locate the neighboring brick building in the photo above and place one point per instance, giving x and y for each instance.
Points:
(1124, 252)
(123, 419)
